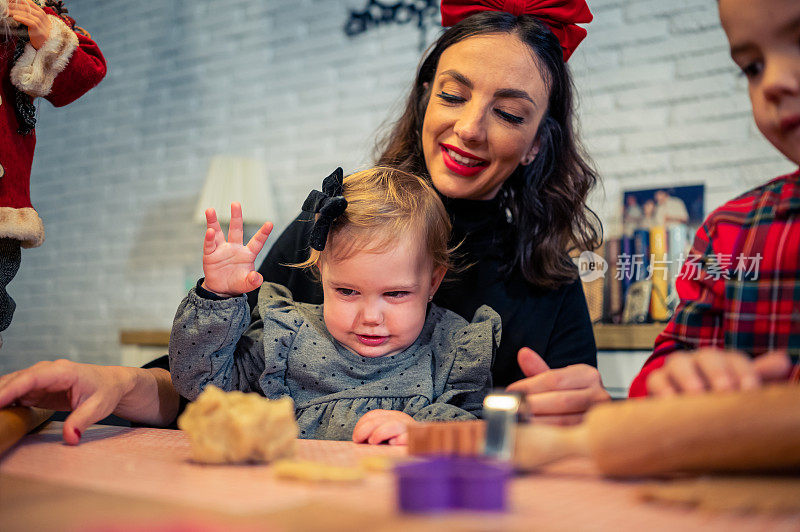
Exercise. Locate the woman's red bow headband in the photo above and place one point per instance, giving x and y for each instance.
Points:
(561, 16)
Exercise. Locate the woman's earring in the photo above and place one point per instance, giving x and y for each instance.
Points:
(430, 297)
(531, 155)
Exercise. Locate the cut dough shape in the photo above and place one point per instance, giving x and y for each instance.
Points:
(316, 471)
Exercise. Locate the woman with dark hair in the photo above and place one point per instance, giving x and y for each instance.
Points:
(489, 122)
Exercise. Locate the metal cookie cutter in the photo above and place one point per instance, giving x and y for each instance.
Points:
(502, 411)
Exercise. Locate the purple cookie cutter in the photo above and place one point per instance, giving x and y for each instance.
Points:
(452, 483)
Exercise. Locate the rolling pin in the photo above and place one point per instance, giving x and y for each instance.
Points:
(17, 421)
(723, 432)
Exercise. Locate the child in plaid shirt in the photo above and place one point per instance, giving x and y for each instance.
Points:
(738, 322)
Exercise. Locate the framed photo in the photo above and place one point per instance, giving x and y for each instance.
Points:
(664, 206)
(658, 228)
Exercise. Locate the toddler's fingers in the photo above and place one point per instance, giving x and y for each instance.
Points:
(402, 439)
(236, 227)
(209, 242)
(363, 431)
(213, 223)
(386, 431)
(256, 243)
(254, 279)
(772, 366)
(366, 424)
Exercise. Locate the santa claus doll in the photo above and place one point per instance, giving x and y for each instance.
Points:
(42, 54)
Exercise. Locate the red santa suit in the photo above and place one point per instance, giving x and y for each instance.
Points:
(61, 71)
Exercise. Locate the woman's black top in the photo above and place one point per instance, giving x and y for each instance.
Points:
(554, 323)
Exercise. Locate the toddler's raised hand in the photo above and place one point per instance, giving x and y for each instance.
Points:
(229, 266)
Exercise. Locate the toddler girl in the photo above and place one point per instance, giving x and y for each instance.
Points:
(376, 355)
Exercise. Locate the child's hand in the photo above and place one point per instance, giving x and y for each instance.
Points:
(379, 426)
(693, 372)
(27, 13)
(229, 267)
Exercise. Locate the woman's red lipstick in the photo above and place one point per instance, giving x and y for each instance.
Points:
(458, 168)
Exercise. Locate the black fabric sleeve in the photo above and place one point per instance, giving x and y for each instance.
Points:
(207, 294)
(572, 339)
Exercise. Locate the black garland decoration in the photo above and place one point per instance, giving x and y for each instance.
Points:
(23, 104)
(377, 13)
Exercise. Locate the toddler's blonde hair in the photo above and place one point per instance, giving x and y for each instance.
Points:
(384, 204)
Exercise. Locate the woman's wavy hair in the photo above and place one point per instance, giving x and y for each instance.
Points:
(547, 198)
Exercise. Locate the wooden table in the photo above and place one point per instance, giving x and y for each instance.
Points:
(142, 479)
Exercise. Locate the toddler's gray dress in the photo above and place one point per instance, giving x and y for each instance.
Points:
(286, 350)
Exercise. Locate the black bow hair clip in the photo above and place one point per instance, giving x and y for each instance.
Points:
(329, 204)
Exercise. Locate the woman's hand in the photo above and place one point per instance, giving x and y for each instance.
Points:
(92, 392)
(378, 426)
(709, 369)
(27, 13)
(558, 396)
(229, 267)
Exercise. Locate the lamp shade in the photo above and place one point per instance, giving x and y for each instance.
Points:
(239, 179)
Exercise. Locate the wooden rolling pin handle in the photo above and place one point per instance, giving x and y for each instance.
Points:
(537, 445)
(17, 421)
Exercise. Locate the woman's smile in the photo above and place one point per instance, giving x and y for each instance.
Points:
(462, 162)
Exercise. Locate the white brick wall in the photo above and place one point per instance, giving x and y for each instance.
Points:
(117, 173)
(662, 103)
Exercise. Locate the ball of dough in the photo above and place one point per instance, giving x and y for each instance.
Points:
(231, 427)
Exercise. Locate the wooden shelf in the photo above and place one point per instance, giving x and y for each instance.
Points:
(144, 337)
(610, 336)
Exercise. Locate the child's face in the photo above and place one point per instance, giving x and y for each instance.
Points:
(375, 302)
(764, 36)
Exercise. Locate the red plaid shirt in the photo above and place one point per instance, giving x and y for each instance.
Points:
(740, 285)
